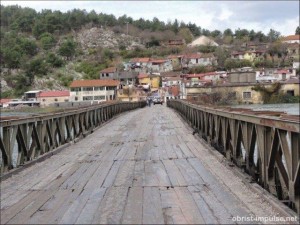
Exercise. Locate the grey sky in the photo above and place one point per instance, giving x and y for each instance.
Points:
(282, 16)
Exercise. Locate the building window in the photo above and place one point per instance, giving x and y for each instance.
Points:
(87, 98)
(44, 100)
(87, 89)
(247, 95)
(75, 89)
(102, 97)
(76, 98)
(107, 75)
(283, 76)
(56, 99)
(290, 92)
(98, 88)
(110, 88)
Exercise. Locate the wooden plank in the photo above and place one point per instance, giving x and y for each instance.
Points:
(185, 150)
(125, 175)
(112, 206)
(204, 208)
(190, 175)
(174, 174)
(139, 174)
(90, 208)
(178, 152)
(230, 202)
(170, 152)
(217, 207)
(133, 212)
(152, 208)
(112, 174)
(49, 208)
(171, 207)
(100, 174)
(155, 174)
(74, 210)
(188, 206)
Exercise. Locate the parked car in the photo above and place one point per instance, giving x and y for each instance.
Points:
(157, 100)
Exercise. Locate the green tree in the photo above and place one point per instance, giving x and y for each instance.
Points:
(227, 32)
(36, 67)
(273, 35)
(186, 34)
(221, 54)
(297, 30)
(47, 41)
(54, 60)
(67, 48)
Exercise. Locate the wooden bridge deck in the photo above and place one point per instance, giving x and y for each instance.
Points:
(143, 167)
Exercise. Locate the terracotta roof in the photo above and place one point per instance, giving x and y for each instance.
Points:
(94, 83)
(193, 56)
(140, 76)
(172, 78)
(282, 71)
(54, 93)
(140, 60)
(5, 100)
(109, 70)
(159, 61)
(292, 37)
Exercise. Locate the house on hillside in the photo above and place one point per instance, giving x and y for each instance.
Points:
(291, 39)
(93, 90)
(47, 98)
(139, 64)
(197, 59)
(171, 81)
(127, 77)
(152, 81)
(160, 65)
(4, 102)
(176, 61)
(175, 42)
(254, 55)
(108, 73)
(237, 55)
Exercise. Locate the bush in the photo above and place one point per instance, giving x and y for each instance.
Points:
(54, 60)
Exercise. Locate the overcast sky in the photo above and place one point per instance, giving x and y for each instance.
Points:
(282, 16)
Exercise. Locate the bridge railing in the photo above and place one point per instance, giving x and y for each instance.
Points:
(25, 139)
(264, 144)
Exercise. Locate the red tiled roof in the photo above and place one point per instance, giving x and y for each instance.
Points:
(5, 100)
(159, 61)
(292, 37)
(108, 70)
(282, 71)
(140, 76)
(193, 56)
(54, 93)
(94, 83)
(140, 60)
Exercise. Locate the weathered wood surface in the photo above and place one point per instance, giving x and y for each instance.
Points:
(145, 167)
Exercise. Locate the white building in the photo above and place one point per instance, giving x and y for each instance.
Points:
(93, 90)
(292, 39)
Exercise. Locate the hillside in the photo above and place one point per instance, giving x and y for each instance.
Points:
(48, 49)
